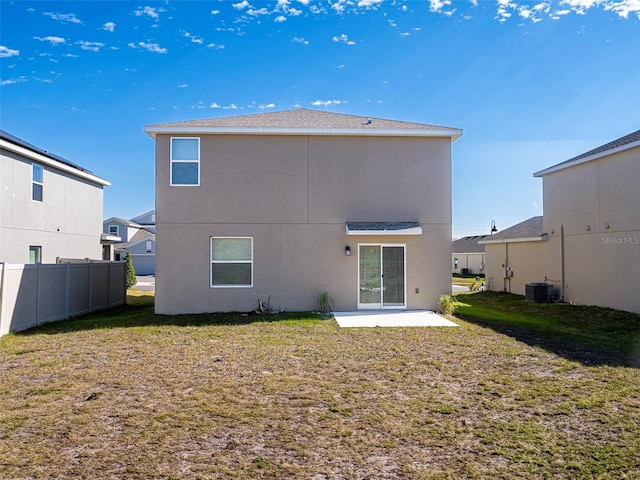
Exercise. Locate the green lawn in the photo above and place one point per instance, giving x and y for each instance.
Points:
(128, 394)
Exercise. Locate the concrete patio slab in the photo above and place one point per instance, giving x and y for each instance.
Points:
(391, 318)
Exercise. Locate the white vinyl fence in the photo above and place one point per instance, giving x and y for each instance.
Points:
(34, 294)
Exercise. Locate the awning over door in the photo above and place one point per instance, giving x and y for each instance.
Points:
(384, 228)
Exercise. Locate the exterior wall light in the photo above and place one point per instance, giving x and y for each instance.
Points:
(347, 251)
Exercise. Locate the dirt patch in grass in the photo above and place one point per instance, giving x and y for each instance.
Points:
(224, 396)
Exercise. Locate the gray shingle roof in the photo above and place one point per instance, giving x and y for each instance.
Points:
(468, 244)
(381, 226)
(137, 238)
(530, 228)
(305, 119)
(620, 142)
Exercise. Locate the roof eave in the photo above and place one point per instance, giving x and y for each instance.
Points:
(590, 158)
(30, 154)
(539, 238)
(452, 133)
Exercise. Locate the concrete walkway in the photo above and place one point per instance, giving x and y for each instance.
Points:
(391, 318)
(145, 282)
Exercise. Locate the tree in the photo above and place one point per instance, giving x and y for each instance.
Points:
(131, 271)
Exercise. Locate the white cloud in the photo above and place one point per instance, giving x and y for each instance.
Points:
(194, 38)
(300, 40)
(343, 39)
(183, 85)
(260, 11)
(439, 6)
(91, 46)
(151, 47)
(241, 5)
(624, 8)
(109, 27)
(51, 39)
(268, 105)
(231, 106)
(326, 103)
(69, 55)
(150, 12)
(198, 106)
(280, 19)
(215, 12)
(6, 52)
(215, 46)
(369, 3)
(474, 2)
(405, 34)
(63, 17)
(580, 6)
(11, 81)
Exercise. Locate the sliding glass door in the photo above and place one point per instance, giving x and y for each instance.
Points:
(381, 276)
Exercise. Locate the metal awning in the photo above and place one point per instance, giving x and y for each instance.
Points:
(384, 228)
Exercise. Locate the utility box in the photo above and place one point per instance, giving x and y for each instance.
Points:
(538, 292)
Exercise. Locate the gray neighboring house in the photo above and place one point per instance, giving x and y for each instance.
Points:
(587, 243)
(295, 203)
(137, 236)
(467, 255)
(50, 208)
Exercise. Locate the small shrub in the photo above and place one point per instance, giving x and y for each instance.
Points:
(446, 305)
(323, 304)
(131, 271)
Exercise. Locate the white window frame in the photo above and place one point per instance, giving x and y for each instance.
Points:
(148, 246)
(117, 234)
(381, 306)
(211, 262)
(34, 182)
(172, 161)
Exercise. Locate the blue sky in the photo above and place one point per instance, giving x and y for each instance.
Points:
(531, 83)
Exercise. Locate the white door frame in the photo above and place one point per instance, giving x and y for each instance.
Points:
(377, 306)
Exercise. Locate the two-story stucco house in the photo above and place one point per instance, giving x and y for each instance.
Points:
(50, 208)
(294, 203)
(136, 236)
(587, 243)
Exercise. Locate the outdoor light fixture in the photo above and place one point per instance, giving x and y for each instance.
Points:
(347, 251)
(493, 227)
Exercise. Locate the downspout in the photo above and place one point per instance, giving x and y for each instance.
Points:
(562, 262)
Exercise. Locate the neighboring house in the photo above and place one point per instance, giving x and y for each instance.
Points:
(588, 242)
(138, 238)
(467, 255)
(50, 208)
(294, 203)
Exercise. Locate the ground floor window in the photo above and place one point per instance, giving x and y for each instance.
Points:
(35, 254)
(231, 261)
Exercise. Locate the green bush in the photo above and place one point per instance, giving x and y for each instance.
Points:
(323, 305)
(446, 305)
(131, 271)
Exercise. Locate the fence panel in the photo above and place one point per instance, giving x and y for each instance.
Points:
(34, 294)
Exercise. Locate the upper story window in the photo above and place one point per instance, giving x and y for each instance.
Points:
(37, 184)
(148, 245)
(185, 161)
(114, 230)
(35, 254)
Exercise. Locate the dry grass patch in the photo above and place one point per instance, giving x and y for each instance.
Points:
(129, 394)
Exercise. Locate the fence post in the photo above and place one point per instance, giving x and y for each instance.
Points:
(38, 266)
(3, 265)
(67, 290)
(90, 286)
(109, 286)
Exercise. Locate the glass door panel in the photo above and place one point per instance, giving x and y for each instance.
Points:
(393, 276)
(370, 275)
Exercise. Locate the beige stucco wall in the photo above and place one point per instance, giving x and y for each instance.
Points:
(293, 195)
(530, 262)
(597, 207)
(473, 261)
(67, 223)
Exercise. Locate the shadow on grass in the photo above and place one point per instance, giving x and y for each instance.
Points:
(588, 335)
(139, 312)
